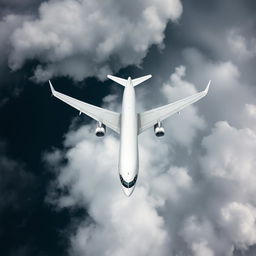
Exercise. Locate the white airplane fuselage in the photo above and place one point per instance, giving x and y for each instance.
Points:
(128, 154)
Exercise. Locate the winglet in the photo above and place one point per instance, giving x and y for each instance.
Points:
(207, 87)
(52, 89)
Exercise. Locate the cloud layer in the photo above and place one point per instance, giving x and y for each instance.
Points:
(90, 38)
(201, 206)
(195, 192)
(171, 210)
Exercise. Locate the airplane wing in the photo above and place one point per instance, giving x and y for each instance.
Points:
(150, 118)
(109, 118)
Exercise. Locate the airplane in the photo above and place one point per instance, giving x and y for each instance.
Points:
(129, 124)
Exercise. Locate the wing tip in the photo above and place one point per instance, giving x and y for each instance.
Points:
(148, 76)
(51, 87)
(207, 87)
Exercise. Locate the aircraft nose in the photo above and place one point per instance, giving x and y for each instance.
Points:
(128, 191)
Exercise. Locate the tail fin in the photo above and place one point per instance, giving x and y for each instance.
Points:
(140, 80)
(118, 80)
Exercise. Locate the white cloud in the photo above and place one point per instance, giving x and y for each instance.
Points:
(249, 114)
(236, 159)
(176, 179)
(94, 183)
(238, 221)
(242, 47)
(251, 109)
(196, 233)
(228, 94)
(201, 249)
(172, 210)
(184, 127)
(91, 38)
(230, 161)
(7, 26)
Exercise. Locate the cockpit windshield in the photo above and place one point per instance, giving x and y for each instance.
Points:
(128, 184)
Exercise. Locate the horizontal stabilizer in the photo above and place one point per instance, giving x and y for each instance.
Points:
(140, 80)
(118, 80)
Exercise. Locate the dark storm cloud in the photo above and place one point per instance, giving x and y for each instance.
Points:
(209, 26)
(18, 7)
(206, 24)
(222, 30)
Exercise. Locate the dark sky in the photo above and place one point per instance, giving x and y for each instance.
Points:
(29, 225)
(44, 210)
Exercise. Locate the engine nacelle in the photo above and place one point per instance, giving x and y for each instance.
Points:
(159, 129)
(100, 129)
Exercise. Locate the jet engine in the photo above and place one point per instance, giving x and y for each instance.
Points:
(100, 129)
(159, 129)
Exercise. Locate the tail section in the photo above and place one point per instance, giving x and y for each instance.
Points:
(118, 80)
(140, 80)
(124, 82)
